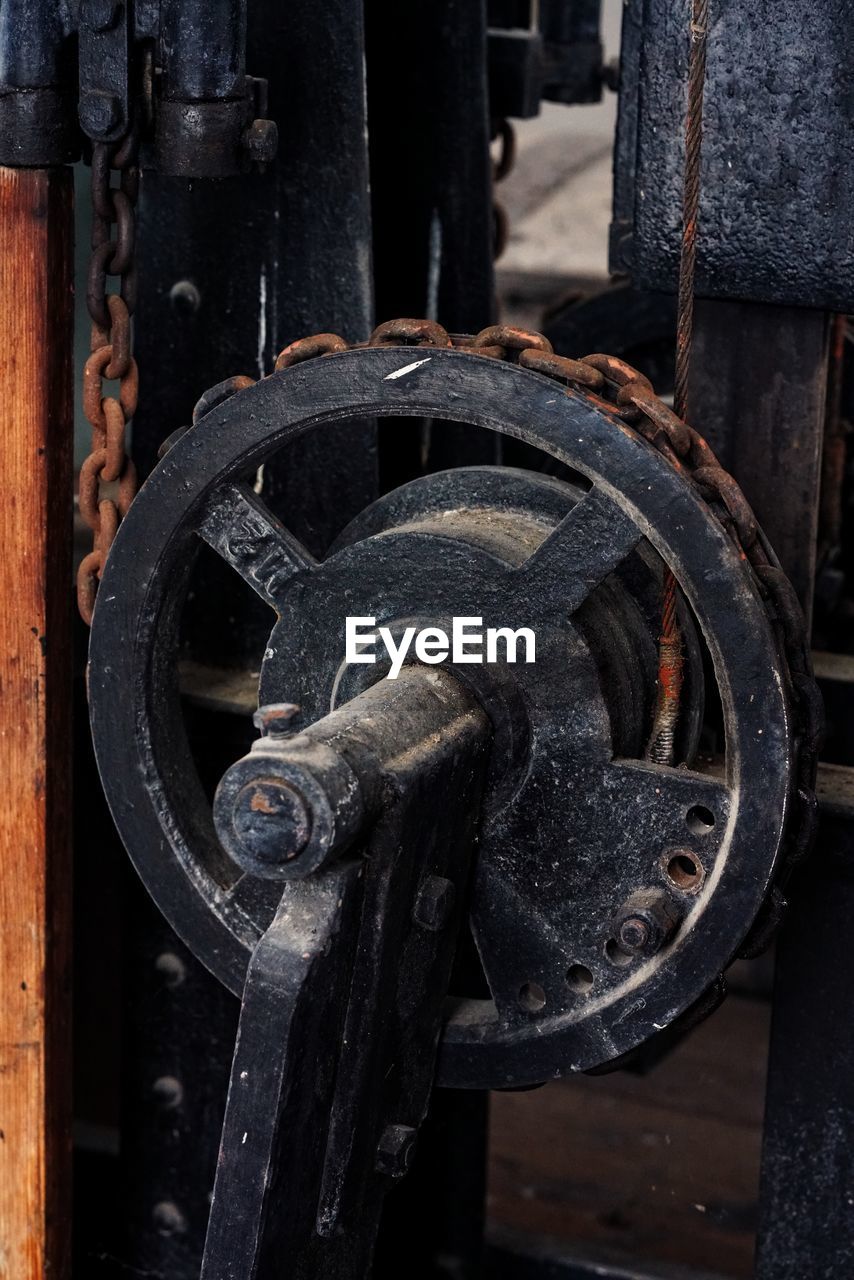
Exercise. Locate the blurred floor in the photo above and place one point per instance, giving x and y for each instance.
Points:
(656, 1171)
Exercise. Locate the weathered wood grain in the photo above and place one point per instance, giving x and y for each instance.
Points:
(654, 1171)
(36, 234)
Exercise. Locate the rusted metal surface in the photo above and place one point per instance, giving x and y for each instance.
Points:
(698, 34)
(36, 213)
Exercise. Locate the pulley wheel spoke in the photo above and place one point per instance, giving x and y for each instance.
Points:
(241, 529)
(588, 545)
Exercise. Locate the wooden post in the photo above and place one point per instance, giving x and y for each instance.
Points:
(36, 237)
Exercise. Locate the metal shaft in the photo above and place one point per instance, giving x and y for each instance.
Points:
(295, 803)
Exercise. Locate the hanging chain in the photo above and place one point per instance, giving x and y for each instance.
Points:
(502, 165)
(108, 476)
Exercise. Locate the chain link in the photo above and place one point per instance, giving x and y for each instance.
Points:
(502, 165)
(108, 477)
(626, 391)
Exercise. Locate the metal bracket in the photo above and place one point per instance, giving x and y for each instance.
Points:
(104, 69)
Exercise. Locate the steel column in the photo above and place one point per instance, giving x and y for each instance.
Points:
(806, 1226)
(758, 394)
(230, 272)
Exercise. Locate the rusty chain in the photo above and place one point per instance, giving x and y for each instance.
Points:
(108, 477)
(620, 388)
(502, 165)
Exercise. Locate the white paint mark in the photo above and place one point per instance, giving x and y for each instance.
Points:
(243, 1139)
(434, 265)
(407, 368)
(258, 486)
(262, 320)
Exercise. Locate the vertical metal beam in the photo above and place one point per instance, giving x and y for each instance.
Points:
(758, 394)
(806, 1225)
(431, 190)
(230, 272)
(430, 165)
(36, 213)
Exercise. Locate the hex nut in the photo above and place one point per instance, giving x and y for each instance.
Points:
(275, 719)
(395, 1150)
(646, 922)
(261, 141)
(434, 903)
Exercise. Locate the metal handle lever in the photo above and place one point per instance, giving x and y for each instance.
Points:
(341, 1021)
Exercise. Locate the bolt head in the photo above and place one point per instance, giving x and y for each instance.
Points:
(185, 297)
(647, 922)
(271, 820)
(275, 719)
(396, 1149)
(171, 968)
(168, 1219)
(434, 903)
(168, 1092)
(101, 114)
(634, 934)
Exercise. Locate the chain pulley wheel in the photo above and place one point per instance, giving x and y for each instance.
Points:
(609, 893)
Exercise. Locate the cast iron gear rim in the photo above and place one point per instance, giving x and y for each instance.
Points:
(144, 758)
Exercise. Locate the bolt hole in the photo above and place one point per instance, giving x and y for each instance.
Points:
(685, 872)
(615, 955)
(579, 978)
(700, 820)
(532, 997)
